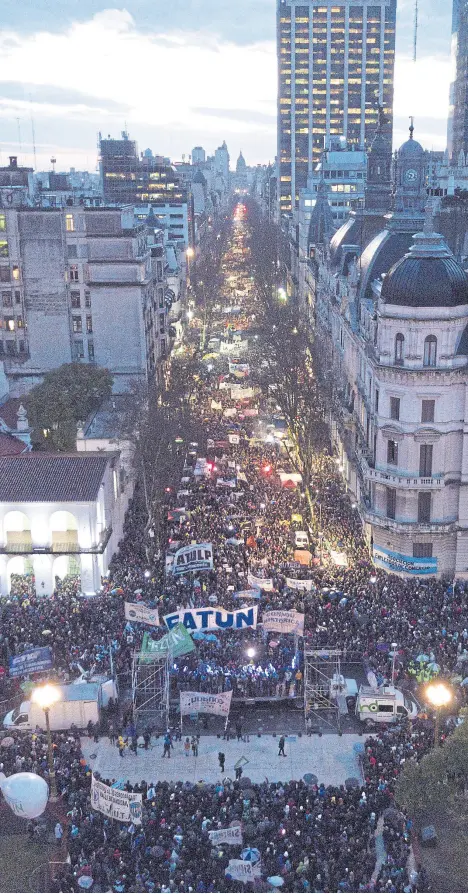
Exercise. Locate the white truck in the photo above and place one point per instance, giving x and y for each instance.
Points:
(79, 703)
(384, 705)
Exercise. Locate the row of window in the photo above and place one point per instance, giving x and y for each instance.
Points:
(424, 505)
(7, 299)
(430, 350)
(425, 457)
(12, 347)
(75, 298)
(78, 351)
(427, 408)
(77, 324)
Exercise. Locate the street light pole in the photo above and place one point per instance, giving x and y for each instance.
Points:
(50, 756)
(439, 696)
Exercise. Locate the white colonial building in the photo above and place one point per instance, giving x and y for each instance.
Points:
(60, 515)
(391, 313)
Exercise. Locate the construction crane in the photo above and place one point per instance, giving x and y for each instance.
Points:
(415, 37)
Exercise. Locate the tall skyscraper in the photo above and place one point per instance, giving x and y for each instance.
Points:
(335, 66)
(457, 133)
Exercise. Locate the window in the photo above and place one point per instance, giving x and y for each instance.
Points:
(430, 351)
(392, 452)
(399, 343)
(74, 276)
(87, 296)
(391, 502)
(75, 300)
(422, 550)
(69, 223)
(19, 323)
(16, 273)
(9, 324)
(89, 324)
(161, 324)
(6, 299)
(427, 410)
(90, 350)
(11, 347)
(4, 274)
(2, 222)
(78, 350)
(425, 460)
(72, 253)
(394, 408)
(17, 297)
(21, 346)
(424, 506)
(77, 324)
(3, 248)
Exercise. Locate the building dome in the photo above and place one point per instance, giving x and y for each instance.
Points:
(410, 148)
(428, 276)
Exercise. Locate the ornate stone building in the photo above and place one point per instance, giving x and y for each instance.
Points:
(391, 316)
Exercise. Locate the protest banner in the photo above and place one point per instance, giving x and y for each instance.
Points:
(30, 662)
(195, 557)
(205, 703)
(284, 622)
(294, 584)
(139, 612)
(247, 594)
(240, 370)
(226, 482)
(231, 835)
(260, 583)
(213, 618)
(178, 642)
(240, 870)
(233, 439)
(123, 806)
(239, 392)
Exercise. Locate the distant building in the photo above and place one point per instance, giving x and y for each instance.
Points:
(60, 515)
(198, 155)
(221, 161)
(457, 124)
(16, 184)
(107, 429)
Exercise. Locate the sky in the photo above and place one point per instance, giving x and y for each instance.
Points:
(177, 74)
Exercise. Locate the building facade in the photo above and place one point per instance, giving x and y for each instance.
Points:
(60, 516)
(77, 284)
(335, 66)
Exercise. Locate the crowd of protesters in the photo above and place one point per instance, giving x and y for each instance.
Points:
(315, 838)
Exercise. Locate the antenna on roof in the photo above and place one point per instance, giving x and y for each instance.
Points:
(415, 37)
(33, 132)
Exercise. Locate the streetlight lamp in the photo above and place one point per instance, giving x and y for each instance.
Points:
(439, 696)
(47, 696)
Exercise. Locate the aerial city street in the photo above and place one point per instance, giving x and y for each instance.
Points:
(234, 462)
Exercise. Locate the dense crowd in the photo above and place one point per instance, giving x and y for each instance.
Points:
(316, 838)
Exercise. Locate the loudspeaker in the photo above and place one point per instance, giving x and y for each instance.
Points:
(428, 836)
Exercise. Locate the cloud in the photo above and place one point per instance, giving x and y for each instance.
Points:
(246, 116)
(50, 94)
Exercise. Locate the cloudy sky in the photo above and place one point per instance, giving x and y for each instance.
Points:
(177, 73)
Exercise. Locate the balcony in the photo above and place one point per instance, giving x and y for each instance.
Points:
(398, 479)
(411, 528)
(57, 548)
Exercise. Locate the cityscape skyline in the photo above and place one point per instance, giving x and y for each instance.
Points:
(186, 106)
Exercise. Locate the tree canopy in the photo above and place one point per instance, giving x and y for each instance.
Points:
(65, 397)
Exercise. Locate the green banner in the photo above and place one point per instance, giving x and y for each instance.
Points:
(178, 642)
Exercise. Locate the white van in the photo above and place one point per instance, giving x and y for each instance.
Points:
(301, 540)
(384, 705)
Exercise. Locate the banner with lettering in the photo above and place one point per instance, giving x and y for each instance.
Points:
(139, 612)
(232, 835)
(196, 557)
(205, 703)
(260, 583)
(240, 870)
(294, 584)
(123, 806)
(178, 642)
(284, 622)
(213, 618)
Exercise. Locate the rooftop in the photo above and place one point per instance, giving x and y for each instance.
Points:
(109, 421)
(52, 477)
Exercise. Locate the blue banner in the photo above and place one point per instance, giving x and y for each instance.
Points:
(30, 662)
(396, 562)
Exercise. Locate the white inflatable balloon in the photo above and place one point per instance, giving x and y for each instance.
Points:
(26, 793)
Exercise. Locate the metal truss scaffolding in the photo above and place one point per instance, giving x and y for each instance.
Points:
(150, 691)
(322, 671)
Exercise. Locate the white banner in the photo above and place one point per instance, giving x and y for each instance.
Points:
(241, 370)
(226, 482)
(232, 835)
(123, 806)
(216, 405)
(294, 584)
(240, 870)
(205, 703)
(196, 557)
(137, 611)
(213, 618)
(230, 412)
(284, 622)
(238, 392)
(261, 583)
(233, 439)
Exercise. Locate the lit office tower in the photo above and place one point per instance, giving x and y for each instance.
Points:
(457, 133)
(335, 65)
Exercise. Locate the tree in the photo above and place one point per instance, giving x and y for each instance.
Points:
(65, 397)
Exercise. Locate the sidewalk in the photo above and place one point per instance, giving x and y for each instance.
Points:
(330, 757)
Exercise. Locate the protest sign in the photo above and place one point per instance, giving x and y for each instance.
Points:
(123, 806)
(30, 662)
(139, 612)
(260, 583)
(195, 557)
(232, 835)
(284, 622)
(213, 618)
(205, 703)
(240, 870)
(178, 642)
(294, 584)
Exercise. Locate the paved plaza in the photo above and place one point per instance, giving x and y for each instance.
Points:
(330, 757)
